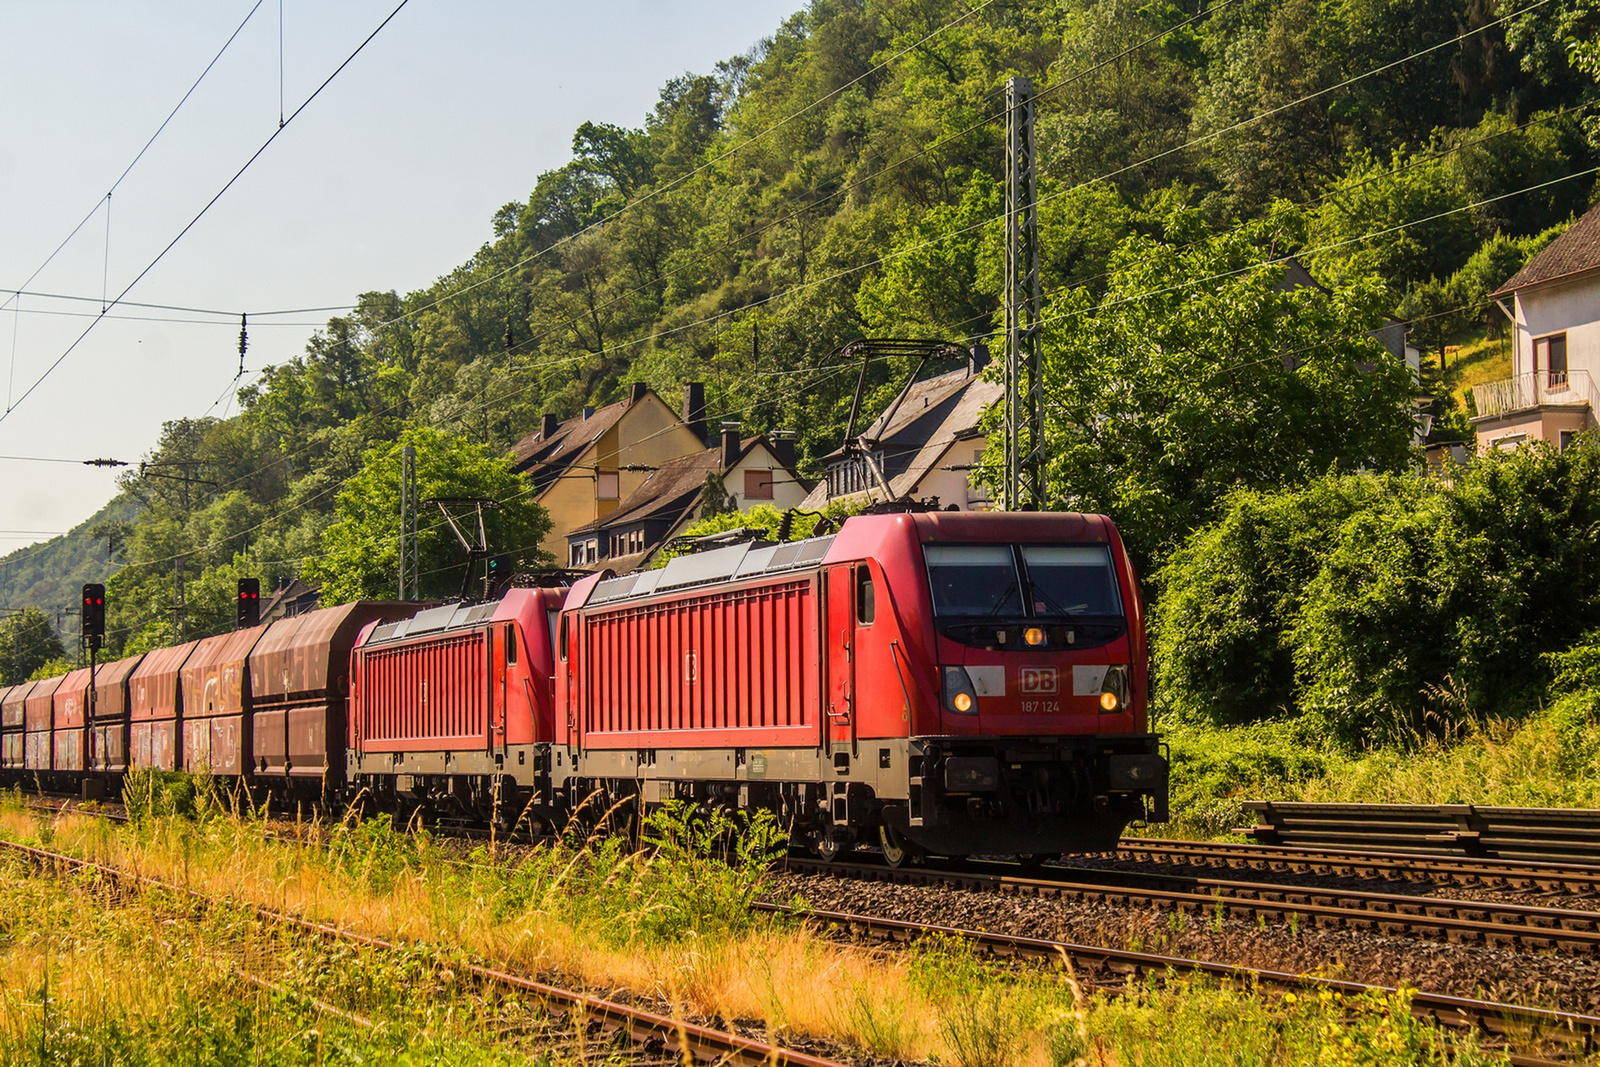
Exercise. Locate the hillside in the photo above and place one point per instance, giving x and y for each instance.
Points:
(49, 575)
(843, 179)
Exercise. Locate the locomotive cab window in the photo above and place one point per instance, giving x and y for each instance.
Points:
(1071, 580)
(511, 646)
(866, 606)
(563, 639)
(973, 580)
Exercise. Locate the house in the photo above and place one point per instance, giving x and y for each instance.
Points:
(1554, 306)
(752, 470)
(584, 467)
(292, 598)
(1391, 335)
(928, 443)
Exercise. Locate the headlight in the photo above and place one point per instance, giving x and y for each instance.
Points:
(1034, 636)
(959, 696)
(1114, 690)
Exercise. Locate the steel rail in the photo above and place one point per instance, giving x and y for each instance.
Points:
(1368, 863)
(1519, 925)
(1103, 967)
(1559, 835)
(701, 1043)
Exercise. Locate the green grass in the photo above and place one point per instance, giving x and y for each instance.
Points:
(1474, 359)
(86, 980)
(1549, 759)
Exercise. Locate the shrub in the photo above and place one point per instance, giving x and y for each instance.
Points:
(1390, 607)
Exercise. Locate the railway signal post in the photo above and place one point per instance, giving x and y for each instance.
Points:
(93, 621)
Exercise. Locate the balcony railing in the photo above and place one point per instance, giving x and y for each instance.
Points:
(1528, 391)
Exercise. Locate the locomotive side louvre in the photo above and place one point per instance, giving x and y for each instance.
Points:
(156, 709)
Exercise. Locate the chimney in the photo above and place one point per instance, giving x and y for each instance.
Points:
(587, 411)
(547, 427)
(783, 450)
(977, 358)
(730, 448)
(636, 392)
(694, 409)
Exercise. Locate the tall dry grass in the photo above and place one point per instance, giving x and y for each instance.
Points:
(672, 925)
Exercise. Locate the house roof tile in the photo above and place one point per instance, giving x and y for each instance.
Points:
(545, 459)
(672, 488)
(1575, 251)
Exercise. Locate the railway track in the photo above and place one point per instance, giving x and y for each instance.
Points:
(685, 1040)
(1509, 1025)
(1512, 925)
(1546, 835)
(1512, 1026)
(1575, 879)
(1554, 1036)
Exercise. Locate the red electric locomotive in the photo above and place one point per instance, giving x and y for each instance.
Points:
(452, 708)
(955, 682)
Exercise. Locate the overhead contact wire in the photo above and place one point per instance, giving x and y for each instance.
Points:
(192, 222)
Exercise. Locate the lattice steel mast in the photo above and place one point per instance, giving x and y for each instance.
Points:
(1025, 478)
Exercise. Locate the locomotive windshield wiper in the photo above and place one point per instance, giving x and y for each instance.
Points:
(1000, 601)
(1052, 604)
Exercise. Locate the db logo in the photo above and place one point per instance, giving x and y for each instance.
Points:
(1038, 679)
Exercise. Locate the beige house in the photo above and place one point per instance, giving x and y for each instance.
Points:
(584, 467)
(930, 446)
(751, 470)
(1554, 307)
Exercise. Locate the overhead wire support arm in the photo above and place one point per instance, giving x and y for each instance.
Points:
(871, 348)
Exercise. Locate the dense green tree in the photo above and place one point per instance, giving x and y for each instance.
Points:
(27, 642)
(361, 548)
(1388, 607)
(841, 179)
(1198, 373)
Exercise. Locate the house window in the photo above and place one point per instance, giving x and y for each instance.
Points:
(975, 492)
(758, 485)
(1510, 441)
(1565, 439)
(1550, 356)
(575, 554)
(607, 485)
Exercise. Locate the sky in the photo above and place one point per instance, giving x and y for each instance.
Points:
(387, 180)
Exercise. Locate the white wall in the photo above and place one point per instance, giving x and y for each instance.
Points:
(1572, 306)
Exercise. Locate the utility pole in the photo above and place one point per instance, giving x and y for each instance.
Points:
(1025, 482)
(408, 522)
(177, 599)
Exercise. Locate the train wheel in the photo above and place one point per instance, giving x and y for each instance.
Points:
(897, 851)
(830, 845)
